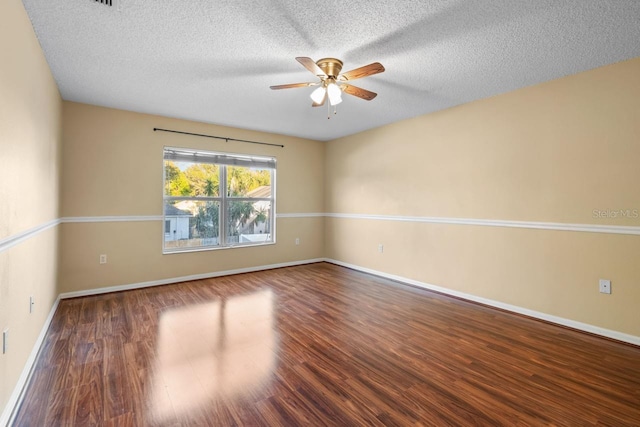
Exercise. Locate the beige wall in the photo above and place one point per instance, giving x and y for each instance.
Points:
(549, 153)
(113, 167)
(30, 109)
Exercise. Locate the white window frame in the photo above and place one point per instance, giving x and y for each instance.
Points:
(222, 160)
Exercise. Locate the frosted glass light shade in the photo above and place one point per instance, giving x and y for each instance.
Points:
(318, 95)
(335, 94)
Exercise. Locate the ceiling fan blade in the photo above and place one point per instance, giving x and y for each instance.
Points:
(367, 95)
(324, 99)
(310, 65)
(358, 73)
(292, 85)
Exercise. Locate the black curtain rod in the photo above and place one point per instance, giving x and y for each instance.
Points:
(218, 137)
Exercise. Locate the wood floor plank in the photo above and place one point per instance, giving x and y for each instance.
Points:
(319, 345)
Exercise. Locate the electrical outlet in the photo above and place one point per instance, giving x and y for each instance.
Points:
(32, 301)
(297, 241)
(381, 248)
(605, 286)
(5, 341)
(103, 259)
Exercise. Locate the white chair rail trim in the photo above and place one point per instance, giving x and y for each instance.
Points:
(17, 238)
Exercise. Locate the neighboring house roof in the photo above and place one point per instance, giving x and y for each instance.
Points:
(262, 191)
(188, 206)
(170, 210)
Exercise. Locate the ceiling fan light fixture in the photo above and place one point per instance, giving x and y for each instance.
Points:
(318, 95)
(335, 94)
(333, 82)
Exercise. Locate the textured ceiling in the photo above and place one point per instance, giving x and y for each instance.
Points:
(213, 61)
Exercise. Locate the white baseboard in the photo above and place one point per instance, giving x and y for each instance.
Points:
(171, 280)
(585, 327)
(10, 409)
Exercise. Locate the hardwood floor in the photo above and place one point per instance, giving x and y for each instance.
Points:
(319, 345)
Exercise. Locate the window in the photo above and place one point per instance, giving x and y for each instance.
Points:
(217, 200)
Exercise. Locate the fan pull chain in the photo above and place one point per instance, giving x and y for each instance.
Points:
(335, 110)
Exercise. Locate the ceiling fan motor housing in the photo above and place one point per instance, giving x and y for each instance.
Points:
(330, 66)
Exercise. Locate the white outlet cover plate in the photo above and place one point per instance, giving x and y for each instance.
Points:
(605, 286)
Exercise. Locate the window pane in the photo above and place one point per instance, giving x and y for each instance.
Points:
(191, 179)
(192, 224)
(248, 182)
(249, 222)
(197, 200)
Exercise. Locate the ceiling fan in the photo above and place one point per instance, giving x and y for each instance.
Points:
(332, 83)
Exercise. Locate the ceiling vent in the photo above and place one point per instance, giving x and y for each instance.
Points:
(107, 2)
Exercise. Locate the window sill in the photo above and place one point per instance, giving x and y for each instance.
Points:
(215, 248)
